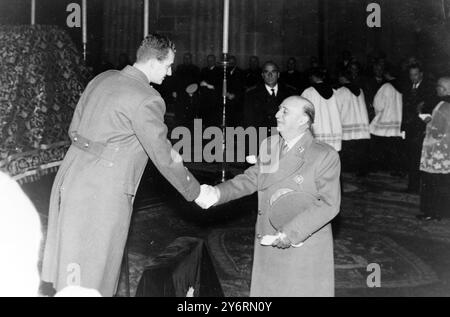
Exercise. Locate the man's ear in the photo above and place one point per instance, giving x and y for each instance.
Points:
(303, 121)
(151, 63)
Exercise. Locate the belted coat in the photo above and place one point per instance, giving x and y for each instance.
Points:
(117, 125)
(310, 168)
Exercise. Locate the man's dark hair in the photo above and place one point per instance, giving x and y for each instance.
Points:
(319, 72)
(345, 73)
(416, 66)
(272, 63)
(154, 46)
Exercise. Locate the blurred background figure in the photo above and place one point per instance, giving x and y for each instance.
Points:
(235, 94)
(210, 92)
(327, 125)
(372, 84)
(355, 126)
(435, 160)
(293, 77)
(20, 240)
(356, 76)
(185, 75)
(344, 61)
(252, 75)
(387, 143)
(418, 97)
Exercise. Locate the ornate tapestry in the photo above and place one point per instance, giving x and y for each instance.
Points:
(41, 79)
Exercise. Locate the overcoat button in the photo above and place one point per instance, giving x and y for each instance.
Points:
(258, 236)
(86, 145)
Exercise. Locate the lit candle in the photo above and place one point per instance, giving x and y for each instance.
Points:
(146, 16)
(33, 12)
(84, 22)
(226, 16)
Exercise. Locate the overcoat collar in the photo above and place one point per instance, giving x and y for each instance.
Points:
(136, 73)
(280, 169)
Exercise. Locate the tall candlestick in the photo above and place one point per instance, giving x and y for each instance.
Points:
(226, 17)
(84, 27)
(84, 17)
(146, 16)
(33, 12)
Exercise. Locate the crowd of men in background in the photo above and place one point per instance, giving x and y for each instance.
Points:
(375, 115)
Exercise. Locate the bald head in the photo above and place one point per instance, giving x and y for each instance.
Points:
(295, 115)
(304, 104)
(443, 87)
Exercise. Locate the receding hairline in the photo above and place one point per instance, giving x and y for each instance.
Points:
(298, 100)
(304, 104)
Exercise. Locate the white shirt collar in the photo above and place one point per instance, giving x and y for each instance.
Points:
(269, 89)
(417, 85)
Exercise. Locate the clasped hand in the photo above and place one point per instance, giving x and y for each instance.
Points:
(209, 195)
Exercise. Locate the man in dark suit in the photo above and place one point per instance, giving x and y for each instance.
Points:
(262, 101)
(185, 75)
(235, 93)
(210, 92)
(418, 97)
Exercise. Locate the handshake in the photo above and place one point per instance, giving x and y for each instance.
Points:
(209, 195)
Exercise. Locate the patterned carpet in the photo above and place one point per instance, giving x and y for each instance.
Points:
(354, 250)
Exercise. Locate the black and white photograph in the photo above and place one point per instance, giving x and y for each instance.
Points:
(240, 149)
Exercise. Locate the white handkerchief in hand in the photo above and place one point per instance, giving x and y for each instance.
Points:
(269, 239)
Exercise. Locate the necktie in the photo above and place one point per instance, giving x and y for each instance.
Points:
(284, 148)
(273, 92)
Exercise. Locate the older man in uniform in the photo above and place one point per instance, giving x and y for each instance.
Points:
(298, 196)
(117, 125)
